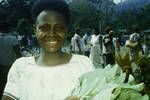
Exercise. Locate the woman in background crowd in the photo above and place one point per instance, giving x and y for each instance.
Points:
(96, 49)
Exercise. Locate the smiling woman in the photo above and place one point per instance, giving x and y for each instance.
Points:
(53, 74)
(51, 30)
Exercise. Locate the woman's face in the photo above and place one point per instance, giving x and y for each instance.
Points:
(51, 29)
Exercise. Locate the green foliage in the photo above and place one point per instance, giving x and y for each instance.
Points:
(82, 14)
(24, 27)
(91, 13)
(18, 12)
(139, 17)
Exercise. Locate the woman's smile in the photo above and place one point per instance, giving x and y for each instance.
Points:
(51, 43)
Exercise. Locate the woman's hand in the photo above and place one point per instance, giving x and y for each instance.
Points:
(7, 98)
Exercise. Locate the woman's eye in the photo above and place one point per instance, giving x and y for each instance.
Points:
(59, 28)
(44, 28)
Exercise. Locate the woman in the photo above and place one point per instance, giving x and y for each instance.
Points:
(53, 74)
(109, 48)
(76, 42)
(96, 49)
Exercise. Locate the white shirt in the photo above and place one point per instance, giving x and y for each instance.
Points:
(29, 81)
(87, 44)
(95, 40)
(74, 43)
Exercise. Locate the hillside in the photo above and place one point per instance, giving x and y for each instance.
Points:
(131, 5)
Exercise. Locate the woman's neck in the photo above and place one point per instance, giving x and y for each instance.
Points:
(52, 58)
(51, 55)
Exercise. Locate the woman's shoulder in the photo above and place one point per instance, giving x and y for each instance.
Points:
(80, 58)
(83, 62)
(23, 61)
(20, 64)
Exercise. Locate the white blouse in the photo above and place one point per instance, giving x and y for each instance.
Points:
(95, 40)
(29, 81)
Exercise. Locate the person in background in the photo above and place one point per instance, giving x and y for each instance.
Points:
(86, 40)
(30, 41)
(109, 48)
(77, 43)
(96, 49)
(24, 41)
(9, 52)
(146, 43)
(117, 43)
(134, 47)
(53, 74)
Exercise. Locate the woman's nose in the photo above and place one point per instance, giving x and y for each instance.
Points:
(51, 32)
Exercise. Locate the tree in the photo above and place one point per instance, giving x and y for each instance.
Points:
(24, 27)
(139, 17)
(105, 12)
(17, 10)
(82, 13)
(91, 13)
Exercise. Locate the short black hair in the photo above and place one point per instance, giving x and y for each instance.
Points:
(107, 29)
(59, 6)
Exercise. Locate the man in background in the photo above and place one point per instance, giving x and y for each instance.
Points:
(9, 52)
(109, 48)
(87, 41)
(77, 43)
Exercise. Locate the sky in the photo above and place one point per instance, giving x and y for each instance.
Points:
(117, 1)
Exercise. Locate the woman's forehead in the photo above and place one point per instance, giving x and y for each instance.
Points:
(50, 16)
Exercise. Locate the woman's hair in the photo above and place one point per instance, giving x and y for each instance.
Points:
(59, 6)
